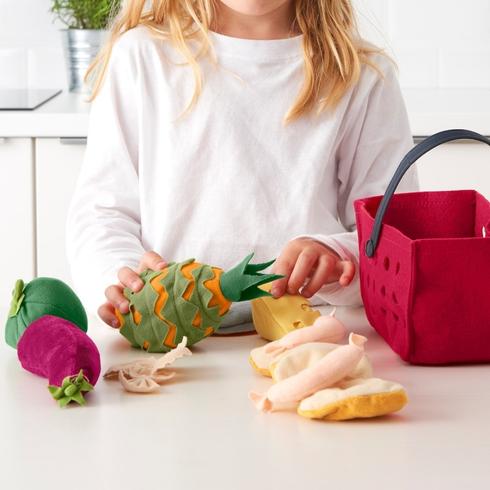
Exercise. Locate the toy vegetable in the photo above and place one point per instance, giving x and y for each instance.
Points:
(42, 296)
(325, 372)
(57, 349)
(146, 375)
(187, 299)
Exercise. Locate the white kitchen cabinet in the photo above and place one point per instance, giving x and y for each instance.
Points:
(58, 162)
(16, 203)
(464, 165)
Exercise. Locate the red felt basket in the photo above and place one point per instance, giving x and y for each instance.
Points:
(425, 266)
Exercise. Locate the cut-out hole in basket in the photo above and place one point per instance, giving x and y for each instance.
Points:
(394, 298)
(386, 263)
(383, 310)
(383, 291)
(395, 316)
(397, 268)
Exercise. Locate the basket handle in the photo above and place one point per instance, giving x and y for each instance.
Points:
(410, 158)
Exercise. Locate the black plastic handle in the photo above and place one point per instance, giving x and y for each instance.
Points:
(410, 158)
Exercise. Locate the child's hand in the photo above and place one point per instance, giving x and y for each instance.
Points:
(128, 278)
(309, 264)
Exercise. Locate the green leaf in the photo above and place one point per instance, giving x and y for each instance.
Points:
(66, 383)
(17, 298)
(80, 377)
(56, 391)
(78, 397)
(71, 389)
(86, 386)
(63, 402)
(241, 282)
(85, 14)
(251, 268)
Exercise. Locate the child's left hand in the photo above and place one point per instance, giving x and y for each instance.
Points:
(309, 265)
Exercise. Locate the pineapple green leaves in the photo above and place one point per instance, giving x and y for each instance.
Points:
(241, 283)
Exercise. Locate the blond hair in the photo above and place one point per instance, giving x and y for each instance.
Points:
(333, 50)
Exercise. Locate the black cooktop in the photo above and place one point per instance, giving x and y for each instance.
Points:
(25, 99)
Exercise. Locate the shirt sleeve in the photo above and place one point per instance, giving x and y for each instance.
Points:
(375, 138)
(103, 223)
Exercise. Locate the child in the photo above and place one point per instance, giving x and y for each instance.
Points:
(224, 127)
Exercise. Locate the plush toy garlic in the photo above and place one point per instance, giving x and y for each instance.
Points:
(146, 375)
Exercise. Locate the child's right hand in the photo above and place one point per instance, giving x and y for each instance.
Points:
(128, 278)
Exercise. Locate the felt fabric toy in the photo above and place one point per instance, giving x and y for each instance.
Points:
(146, 375)
(42, 296)
(354, 398)
(275, 317)
(57, 349)
(187, 299)
(323, 373)
(349, 390)
(305, 355)
(324, 329)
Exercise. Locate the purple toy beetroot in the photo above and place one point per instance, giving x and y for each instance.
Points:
(56, 349)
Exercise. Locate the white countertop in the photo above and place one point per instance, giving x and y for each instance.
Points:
(65, 115)
(201, 431)
(430, 110)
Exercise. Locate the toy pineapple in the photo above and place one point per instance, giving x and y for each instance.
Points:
(187, 299)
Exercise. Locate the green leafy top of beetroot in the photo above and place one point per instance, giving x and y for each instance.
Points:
(71, 389)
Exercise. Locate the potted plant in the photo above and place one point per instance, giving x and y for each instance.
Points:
(86, 22)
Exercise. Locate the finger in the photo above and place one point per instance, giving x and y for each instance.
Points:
(106, 313)
(284, 265)
(304, 265)
(347, 270)
(115, 295)
(319, 277)
(151, 260)
(129, 278)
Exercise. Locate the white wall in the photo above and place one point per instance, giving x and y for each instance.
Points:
(30, 45)
(437, 43)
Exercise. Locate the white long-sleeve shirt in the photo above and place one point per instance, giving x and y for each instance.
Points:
(229, 178)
